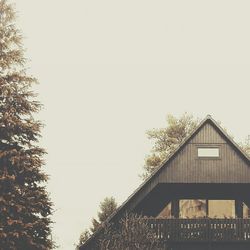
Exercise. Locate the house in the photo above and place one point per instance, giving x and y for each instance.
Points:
(199, 197)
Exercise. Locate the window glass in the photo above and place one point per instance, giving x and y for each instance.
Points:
(165, 213)
(208, 152)
(246, 211)
(192, 208)
(221, 209)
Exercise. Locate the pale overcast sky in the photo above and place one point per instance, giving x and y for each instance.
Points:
(110, 70)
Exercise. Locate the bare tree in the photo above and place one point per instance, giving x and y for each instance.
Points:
(132, 232)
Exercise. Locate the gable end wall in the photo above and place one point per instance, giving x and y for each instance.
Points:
(186, 167)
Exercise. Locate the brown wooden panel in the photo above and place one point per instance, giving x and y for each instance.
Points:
(208, 134)
(188, 168)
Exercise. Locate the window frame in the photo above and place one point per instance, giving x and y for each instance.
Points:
(208, 146)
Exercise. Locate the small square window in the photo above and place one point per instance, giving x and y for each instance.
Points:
(208, 152)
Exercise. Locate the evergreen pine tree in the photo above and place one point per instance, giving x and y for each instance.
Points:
(25, 208)
(107, 207)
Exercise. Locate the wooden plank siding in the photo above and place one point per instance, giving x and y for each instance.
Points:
(208, 135)
(186, 167)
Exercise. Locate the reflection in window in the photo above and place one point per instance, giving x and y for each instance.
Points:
(192, 208)
(246, 211)
(165, 213)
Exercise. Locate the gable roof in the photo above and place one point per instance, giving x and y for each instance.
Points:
(126, 205)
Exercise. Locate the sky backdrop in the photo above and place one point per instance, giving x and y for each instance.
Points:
(110, 70)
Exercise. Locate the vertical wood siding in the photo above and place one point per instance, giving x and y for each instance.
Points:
(186, 167)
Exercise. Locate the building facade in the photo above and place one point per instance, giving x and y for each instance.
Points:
(199, 198)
